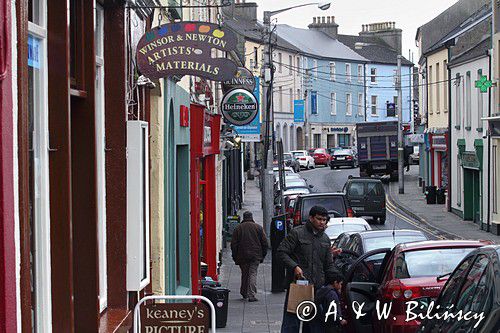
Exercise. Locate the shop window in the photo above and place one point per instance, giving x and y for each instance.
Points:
(459, 184)
(76, 43)
(495, 178)
(317, 140)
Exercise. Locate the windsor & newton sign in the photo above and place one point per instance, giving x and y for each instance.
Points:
(185, 48)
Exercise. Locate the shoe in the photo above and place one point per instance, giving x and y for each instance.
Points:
(244, 296)
(252, 299)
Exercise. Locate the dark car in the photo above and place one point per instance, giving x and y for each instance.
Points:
(335, 203)
(366, 197)
(343, 157)
(407, 273)
(291, 162)
(474, 286)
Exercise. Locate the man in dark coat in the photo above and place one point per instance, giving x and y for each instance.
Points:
(249, 248)
(306, 255)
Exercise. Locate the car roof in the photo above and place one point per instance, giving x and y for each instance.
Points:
(319, 195)
(388, 233)
(364, 180)
(346, 220)
(436, 244)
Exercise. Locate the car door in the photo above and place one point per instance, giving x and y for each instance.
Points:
(362, 289)
(356, 197)
(374, 197)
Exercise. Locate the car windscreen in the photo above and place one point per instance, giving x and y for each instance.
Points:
(319, 151)
(390, 241)
(332, 203)
(334, 230)
(287, 156)
(343, 152)
(432, 262)
(298, 153)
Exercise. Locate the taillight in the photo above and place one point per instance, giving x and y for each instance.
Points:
(333, 157)
(350, 212)
(396, 290)
(349, 157)
(302, 158)
(296, 217)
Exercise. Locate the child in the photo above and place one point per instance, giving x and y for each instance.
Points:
(324, 297)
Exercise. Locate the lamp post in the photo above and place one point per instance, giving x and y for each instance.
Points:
(268, 73)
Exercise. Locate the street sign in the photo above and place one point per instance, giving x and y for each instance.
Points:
(239, 107)
(185, 48)
(484, 84)
(242, 79)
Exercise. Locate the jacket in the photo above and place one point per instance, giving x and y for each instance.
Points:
(323, 298)
(248, 243)
(308, 250)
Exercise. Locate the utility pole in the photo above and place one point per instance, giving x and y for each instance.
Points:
(401, 148)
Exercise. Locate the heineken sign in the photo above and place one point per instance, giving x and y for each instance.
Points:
(185, 48)
(239, 107)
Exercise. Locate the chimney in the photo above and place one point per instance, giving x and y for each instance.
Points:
(245, 10)
(385, 31)
(325, 24)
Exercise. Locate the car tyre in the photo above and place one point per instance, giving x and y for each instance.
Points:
(381, 220)
(332, 167)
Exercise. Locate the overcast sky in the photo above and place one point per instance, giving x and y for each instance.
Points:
(351, 14)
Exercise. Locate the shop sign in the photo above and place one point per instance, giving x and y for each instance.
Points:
(339, 129)
(470, 160)
(175, 317)
(251, 132)
(483, 84)
(391, 109)
(239, 107)
(298, 111)
(314, 102)
(243, 79)
(439, 142)
(495, 128)
(185, 48)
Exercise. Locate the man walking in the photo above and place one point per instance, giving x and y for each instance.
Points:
(249, 248)
(306, 255)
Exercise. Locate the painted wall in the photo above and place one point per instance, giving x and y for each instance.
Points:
(437, 90)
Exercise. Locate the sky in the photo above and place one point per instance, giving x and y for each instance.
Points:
(350, 15)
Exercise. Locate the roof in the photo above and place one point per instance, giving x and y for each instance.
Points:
(447, 21)
(374, 49)
(437, 244)
(477, 51)
(317, 44)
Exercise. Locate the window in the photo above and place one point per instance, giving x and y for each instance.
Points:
(348, 98)
(458, 101)
(438, 89)
(332, 71)
(76, 44)
(374, 105)
(298, 63)
(468, 103)
(290, 64)
(459, 184)
(480, 103)
(445, 86)
(280, 62)
(290, 97)
(360, 73)
(333, 103)
(315, 68)
(361, 103)
(373, 75)
(430, 88)
(299, 94)
(452, 287)
(471, 283)
(280, 99)
(255, 56)
(495, 177)
(356, 189)
(348, 72)
(317, 140)
(395, 101)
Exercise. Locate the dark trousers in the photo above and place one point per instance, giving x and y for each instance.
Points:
(291, 323)
(248, 287)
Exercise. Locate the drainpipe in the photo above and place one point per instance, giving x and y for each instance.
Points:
(448, 204)
(365, 88)
(488, 219)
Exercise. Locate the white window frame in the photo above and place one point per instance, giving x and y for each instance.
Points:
(333, 71)
(315, 68)
(41, 209)
(290, 60)
(333, 103)
(458, 100)
(280, 62)
(374, 106)
(468, 100)
(348, 73)
(373, 77)
(348, 101)
(360, 73)
(438, 88)
(480, 103)
(360, 104)
(290, 96)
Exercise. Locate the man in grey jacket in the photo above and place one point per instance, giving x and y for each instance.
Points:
(306, 255)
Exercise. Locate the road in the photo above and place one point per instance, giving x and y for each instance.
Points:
(326, 180)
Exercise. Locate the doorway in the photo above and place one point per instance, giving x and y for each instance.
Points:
(472, 197)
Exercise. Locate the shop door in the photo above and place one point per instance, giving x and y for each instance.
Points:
(472, 191)
(477, 196)
(344, 140)
(330, 141)
(317, 141)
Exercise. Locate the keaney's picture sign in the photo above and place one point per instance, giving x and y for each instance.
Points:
(175, 318)
(185, 48)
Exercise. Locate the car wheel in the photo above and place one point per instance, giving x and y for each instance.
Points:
(307, 166)
(381, 220)
(332, 167)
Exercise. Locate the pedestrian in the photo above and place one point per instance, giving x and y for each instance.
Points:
(249, 248)
(305, 252)
(327, 300)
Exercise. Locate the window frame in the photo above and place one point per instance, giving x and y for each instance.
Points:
(374, 106)
(360, 73)
(360, 104)
(373, 75)
(348, 102)
(348, 72)
(333, 103)
(333, 71)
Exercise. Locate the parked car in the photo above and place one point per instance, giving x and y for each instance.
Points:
(335, 203)
(292, 182)
(287, 171)
(311, 151)
(415, 156)
(408, 272)
(473, 286)
(339, 225)
(332, 150)
(343, 157)
(305, 160)
(321, 157)
(291, 162)
(366, 197)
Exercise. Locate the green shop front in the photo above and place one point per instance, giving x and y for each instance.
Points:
(471, 162)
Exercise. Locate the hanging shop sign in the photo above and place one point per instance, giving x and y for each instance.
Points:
(239, 107)
(251, 131)
(243, 79)
(185, 48)
(175, 317)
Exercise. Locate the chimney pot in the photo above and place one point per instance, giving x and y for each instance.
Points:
(314, 20)
(323, 20)
(328, 19)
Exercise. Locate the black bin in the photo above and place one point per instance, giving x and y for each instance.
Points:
(220, 298)
(431, 194)
(441, 196)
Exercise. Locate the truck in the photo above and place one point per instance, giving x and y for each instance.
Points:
(377, 144)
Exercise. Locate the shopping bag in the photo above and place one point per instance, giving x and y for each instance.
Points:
(297, 294)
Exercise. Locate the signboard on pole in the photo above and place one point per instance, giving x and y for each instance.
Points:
(251, 132)
(243, 79)
(314, 102)
(185, 48)
(298, 111)
(239, 107)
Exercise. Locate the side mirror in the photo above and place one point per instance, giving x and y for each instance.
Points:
(311, 186)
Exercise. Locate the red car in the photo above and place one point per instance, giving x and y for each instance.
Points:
(321, 156)
(392, 278)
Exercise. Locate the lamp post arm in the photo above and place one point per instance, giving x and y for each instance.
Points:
(269, 14)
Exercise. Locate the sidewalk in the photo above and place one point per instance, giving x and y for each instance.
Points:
(413, 204)
(265, 315)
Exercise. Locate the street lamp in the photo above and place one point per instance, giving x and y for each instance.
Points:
(267, 95)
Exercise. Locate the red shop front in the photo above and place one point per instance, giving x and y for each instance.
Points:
(439, 156)
(205, 136)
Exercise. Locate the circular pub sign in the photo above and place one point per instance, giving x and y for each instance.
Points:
(239, 107)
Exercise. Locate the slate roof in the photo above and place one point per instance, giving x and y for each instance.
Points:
(317, 43)
(375, 49)
(477, 51)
